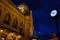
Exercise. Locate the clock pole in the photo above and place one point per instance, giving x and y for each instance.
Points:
(56, 20)
(54, 15)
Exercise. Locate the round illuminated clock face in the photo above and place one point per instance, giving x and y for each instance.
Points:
(53, 13)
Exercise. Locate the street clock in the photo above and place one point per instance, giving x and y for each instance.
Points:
(53, 13)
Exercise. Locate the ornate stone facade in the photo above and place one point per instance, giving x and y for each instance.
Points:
(13, 23)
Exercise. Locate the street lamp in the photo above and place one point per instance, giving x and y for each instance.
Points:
(39, 38)
(54, 15)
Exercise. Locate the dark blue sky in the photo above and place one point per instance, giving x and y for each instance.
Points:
(41, 11)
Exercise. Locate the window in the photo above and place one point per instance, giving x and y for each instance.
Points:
(21, 28)
(15, 23)
(7, 19)
(0, 11)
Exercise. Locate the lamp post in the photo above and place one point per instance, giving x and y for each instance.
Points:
(39, 38)
(54, 15)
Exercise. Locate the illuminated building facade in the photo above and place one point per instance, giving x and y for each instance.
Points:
(15, 23)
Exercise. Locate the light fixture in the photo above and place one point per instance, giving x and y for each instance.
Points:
(1, 30)
(19, 36)
(34, 39)
(2, 38)
(11, 33)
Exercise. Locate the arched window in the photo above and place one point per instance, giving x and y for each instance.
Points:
(15, 22)
(7, 19)
(0, 10)
(21, 28)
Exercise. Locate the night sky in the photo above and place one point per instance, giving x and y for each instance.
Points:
(41, 15)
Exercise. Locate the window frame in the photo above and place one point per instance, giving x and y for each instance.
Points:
(7, 20)
(0, 11)
(21, 29)
(15, 24)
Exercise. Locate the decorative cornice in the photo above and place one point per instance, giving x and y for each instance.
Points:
(12, 7)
